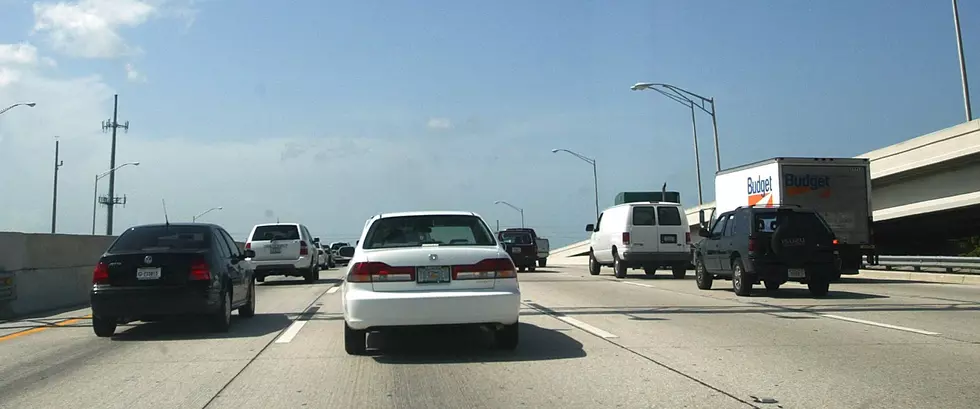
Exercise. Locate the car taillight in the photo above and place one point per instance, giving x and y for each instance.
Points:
(374, 271)
(836, 242)
(248, 245)
(200, 270)
(687, 237)
(486, 269)
(753, 244)
(303, 249)
(101, 273)
(626, 237)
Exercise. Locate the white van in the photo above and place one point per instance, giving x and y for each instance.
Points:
(647, 235)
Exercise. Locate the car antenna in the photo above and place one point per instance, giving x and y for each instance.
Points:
(166, 218)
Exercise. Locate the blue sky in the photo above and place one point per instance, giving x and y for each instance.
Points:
(329, 112)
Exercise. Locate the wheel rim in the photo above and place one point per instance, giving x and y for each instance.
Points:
(699, 272)
(737, 277)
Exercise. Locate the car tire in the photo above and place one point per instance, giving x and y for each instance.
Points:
(594, 266)
(531, 268)
(331, 264)
(221, 319)
(507, 337)
(543, 262)
(248, 310)
(308, 276)
(741, 282)
(772, 285)
(521, 269)
(650, 271)
(835, 277)
(819, 287)
(701, 275)
(680, 272)
(103, 326)
(355, 340)
(260, 279)
(618, 267)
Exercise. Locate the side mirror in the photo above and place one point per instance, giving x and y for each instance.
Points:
(346, 251)
(249, 253)
(316, 240)
(590, 227)
(702, 223)
(704, 232)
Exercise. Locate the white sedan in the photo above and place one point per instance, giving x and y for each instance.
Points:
(429, 268)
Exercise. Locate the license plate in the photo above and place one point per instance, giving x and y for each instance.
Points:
(516, 250)
(148, 273)
(796, 273)
(275, 249)
(430, 275)
(668, 238)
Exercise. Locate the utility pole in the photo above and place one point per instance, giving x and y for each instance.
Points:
(54, 196)
(959, 47)
(111, 200)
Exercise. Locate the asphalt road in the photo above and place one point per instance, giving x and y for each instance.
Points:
(586, 342)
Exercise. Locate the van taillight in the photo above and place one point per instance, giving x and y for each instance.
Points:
(200, 270)
(626, 237)
(753, 245)
(687, 237)
(303, 248)
(101, 273)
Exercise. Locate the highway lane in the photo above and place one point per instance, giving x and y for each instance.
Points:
(586, 342)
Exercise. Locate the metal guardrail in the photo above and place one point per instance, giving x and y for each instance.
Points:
(919, 262)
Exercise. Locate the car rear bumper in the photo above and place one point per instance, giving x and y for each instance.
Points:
(280, 267)
(133, 302)
(635, 258)
(780, 272)
(370, 309)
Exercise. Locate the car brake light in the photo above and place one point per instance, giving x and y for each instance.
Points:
(486, 269)
(626, 237)
(687, 237)
(200, 269)
(101, 273)
(836, 242)
(374, 271)
(303, 249)
(248, 245)
(752, 244)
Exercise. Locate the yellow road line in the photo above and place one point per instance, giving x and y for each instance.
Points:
(39, 329)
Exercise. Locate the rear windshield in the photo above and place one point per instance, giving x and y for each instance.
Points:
(155, 238)
(275, 232)
(337, 246)
(443, 230)
(768, 222)
(644, 216)
(669, 216)
(516, 238)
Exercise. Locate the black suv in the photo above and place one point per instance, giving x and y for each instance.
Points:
(771, 245)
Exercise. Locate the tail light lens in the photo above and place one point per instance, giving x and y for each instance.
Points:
(835, 242)
(687, 237)
(248, 245)
(626, 237)
(200, 270)
(101, 273)
(303, 248)
(486, 269)
(374, 271)
(753, 244)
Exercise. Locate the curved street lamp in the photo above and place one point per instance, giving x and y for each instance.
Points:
(95, 194)
(194, 219)
(512, 207)
(595, 177)
(686, 97)
(27, 104)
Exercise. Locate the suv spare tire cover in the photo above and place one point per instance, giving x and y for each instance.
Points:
(793, 244)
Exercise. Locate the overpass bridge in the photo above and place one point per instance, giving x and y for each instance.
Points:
(924, 189)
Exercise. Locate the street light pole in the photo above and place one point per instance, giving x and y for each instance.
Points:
(595, 175)
(54, 196)
(959, 46)
(513, 207)
(95, 192)
(194, 219)
(697, 156)
(27, 104)
(686, 97)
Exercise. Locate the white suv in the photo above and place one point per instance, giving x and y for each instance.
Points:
(647, 235)
(285, 249)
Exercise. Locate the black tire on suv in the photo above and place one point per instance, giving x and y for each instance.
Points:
(680, 271)
(701, 275)
(594, 267)
(819, 286)
(741, 281)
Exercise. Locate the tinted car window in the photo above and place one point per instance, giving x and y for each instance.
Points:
(276, 232)
(516, 238)
(719, 225)
(337, 246)
(730, 226)
(644, 216)
(145, 238)
(444, 230)
(768, 222)
(669, 216)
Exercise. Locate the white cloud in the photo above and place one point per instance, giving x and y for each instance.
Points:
(8, 76)
(90, 28)
(440, 123)
(22, 53)
(133, 75)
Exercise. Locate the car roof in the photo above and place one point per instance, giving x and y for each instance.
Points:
(631, 204)
(427, 213)
(175, 225)
(278, 224)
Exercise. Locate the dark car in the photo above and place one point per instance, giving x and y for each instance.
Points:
(163, 270)
(521, 248)
(771, 245)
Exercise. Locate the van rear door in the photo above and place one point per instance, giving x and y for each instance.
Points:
(672, 230)
(643, 229)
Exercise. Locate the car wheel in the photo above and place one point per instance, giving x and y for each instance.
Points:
(521, 269)
(543, 262)
(772, 285)
(819, 286)
(531, 268)
(248, 310)
(507, 337)
(308, 276)
(618, 267)
(594, 266)
(702, 276)
(679, 271)
(104, 326)
(221, 319)
(355, 340)
(260, 279)
(740, 281)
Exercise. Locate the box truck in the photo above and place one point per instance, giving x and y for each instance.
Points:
(839, 189)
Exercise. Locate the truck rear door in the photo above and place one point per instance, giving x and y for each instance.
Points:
(644, 232)
(838, 192)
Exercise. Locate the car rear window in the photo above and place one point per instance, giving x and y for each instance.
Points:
(768, 222)
(669, 216)
(644, 216)
(154, 238)
(276, 232)
(413, 231)
(337, 246)
(516, 238)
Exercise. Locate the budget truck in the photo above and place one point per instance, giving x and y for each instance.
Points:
(839, 189)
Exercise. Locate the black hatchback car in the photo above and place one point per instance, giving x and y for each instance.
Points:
(163, 270)
(771, 245)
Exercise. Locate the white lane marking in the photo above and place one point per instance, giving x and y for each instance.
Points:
(333, 289)
(291, 332)
(637, 284)
(573, 322)
(878, 324)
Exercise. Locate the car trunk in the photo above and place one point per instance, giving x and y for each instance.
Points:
(164, 268)
(432, 267)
